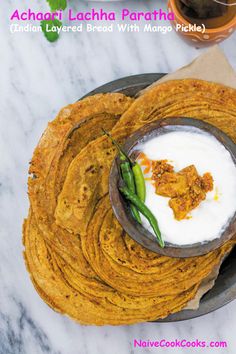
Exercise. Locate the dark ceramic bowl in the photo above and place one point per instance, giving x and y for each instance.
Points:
(122, 211)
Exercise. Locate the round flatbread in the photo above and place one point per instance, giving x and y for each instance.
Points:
(81, 261)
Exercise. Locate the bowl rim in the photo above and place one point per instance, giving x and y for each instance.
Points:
(227, 26)
(122, 212)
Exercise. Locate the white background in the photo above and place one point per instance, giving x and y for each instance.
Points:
(36, 79)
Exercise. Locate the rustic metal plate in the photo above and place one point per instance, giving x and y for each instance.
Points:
(224, 290)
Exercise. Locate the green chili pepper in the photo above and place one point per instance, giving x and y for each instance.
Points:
(128, 178)
(127, 174)
(139, 181)
(123, 155)
(134, 199)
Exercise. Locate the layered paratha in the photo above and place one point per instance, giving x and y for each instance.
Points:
(81, 261)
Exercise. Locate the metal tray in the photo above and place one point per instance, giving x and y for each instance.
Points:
(224, 289)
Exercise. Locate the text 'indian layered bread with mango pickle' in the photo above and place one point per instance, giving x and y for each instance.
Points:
(81, 261)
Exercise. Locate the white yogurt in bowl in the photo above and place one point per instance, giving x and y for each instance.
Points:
(209, 219)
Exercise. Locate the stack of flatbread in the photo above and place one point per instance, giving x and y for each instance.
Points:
(80, 260)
